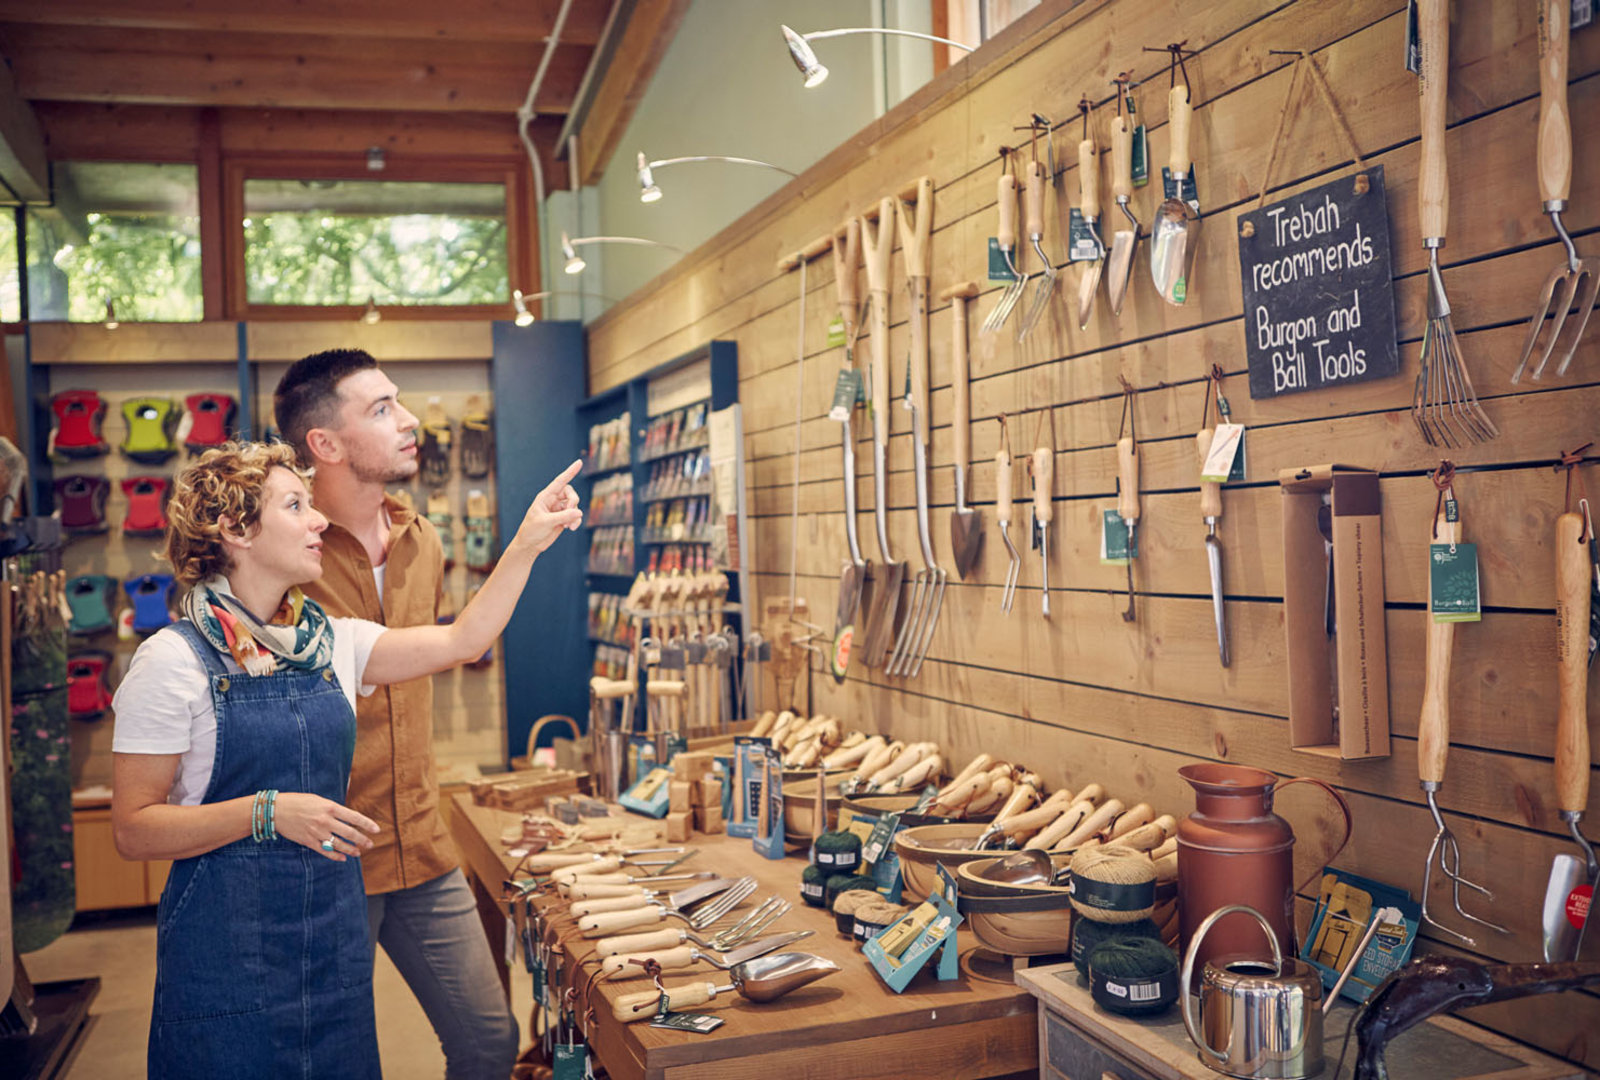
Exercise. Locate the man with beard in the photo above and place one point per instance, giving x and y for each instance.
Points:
(383, 561)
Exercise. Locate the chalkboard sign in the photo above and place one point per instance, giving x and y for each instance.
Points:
(1318, 295)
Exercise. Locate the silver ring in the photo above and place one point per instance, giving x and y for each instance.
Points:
(327, 845)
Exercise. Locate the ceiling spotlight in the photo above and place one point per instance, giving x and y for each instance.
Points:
(372, 314)
(575, 263)
(805, 59)
(111, 322)
(648, 192)
(518, 301)
(811, 68)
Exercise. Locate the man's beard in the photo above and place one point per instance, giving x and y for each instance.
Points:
(385, 472)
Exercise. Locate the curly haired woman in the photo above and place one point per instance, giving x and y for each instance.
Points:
(234, 730)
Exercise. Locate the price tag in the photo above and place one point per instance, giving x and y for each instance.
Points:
(1413, 40)
(700, 1023)
(836, 334)
(1083, 245)
(571, 1061)
(846, 389)
(1226, 456)
(1453, 583)
(882, 830)
(998, 270)
(1140, 171)
(1118, 543)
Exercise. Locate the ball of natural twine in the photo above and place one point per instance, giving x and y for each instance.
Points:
(1113, 884)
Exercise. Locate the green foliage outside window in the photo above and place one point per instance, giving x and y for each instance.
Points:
(147, 265)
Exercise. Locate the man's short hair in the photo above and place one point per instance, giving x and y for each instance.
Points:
(308, 394)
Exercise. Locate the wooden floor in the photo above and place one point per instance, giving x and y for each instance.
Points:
(121, 949)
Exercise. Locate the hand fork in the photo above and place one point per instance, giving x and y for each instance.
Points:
(1007, 242)
(766, 913)
(1555, 299)
(1033, 205)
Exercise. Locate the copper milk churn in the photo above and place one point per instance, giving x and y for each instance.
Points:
(1233, 850)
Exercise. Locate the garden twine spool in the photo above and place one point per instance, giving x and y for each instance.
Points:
(1113, 885)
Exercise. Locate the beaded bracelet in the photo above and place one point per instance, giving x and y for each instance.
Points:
(272, 813)
(262, 814)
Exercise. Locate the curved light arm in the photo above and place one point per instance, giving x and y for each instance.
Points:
(815, 34)
(582, 240)
(718, 157)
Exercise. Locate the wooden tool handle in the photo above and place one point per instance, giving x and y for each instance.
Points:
(916, 229)
(880, 367)
(846, 262)
(1210, 490)
(548, 861)
(960, 374)
(1033, 200)
(1121, 158)
(1178, 112)
(643, 1005)
(585, 889)
(622, 965)
(1044, 470)
(1433, 199)
(1433, 729)
(1555, 123)
(1572, 656)
(638, 943)
(1089, 179)
(569, 874)
(1002, 486)
(1128, 473)
(877, 244)
(613, 922)
(608, 903)
(1006, 198)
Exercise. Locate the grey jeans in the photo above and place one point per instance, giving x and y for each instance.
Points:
(434, 936)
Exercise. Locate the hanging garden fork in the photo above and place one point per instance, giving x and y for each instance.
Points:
(1006, 241)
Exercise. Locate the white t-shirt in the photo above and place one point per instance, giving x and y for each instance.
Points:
(163, 705)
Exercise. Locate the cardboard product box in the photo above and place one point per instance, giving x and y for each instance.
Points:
(682, 796)
(678, 827)
(708, 791)
(691, 765)
(1338, 686)
(708, 819)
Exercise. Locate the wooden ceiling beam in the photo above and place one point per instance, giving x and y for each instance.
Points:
(75, 131)
(24, 168)
(521, 21)
(642, 41)
(283, 71)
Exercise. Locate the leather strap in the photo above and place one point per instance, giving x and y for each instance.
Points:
(1001, 905)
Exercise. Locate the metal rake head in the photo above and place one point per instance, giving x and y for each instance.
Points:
(1447, 854)
(911, 629)
(1009, 594)
(941, 578)
(1444, 403)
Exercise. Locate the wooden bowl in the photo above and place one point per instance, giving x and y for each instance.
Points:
(923, 848)
(876, 805)
(794, 776)
(800, 811)
(1015, 920)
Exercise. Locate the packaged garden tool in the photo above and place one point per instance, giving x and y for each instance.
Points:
(1087, 245)
(1361, 930)
(1124, 242)
(927, 593)
(1569, 894)
(1433, 731)
(1002, 513)
(1572, 274)
(1039, 178)
(1006, 245)
(878, 242)
(966, 523)
(853, 579)
(1444, 404)
(1177, 221)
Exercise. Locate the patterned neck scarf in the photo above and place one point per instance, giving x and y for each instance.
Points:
(298, 634)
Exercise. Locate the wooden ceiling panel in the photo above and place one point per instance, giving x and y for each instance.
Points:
(156, 67)
(522, 21)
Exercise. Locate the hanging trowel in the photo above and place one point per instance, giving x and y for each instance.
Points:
(966, 524)
(1177, 222)
(1124, 241)
(1089, 208)
(1573, 878)
(846, 259)
(878, 242)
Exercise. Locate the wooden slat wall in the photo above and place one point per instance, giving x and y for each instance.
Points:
(1086, 696)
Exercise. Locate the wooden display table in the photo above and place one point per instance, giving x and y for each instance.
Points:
(1078, 1040)
(847, 1025)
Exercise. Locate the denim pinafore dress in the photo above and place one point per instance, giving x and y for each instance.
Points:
(262, 963)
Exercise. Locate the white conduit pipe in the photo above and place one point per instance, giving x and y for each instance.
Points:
(525, 117)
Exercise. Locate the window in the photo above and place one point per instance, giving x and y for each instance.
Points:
(127, 233)
(10, 294)
(341, 242)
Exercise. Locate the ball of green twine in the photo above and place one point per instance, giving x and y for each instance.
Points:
(1132, 958)
(1134, 976)
(839, 883)
(837, 852)
(813, 886)
(1088, 934)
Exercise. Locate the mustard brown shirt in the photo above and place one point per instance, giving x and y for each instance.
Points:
(392, 778)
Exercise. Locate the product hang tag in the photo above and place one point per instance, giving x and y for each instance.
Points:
(1594, 599)
(878, 840)
(846, 389)
(1180, 187)
(571, 1061)
(1226, 456)
(1453, 583)
(998, 269)
(1118, 543)
(836, 334)
(1084, 245)
(1413, 40)
(1452, 512)
(699, 1023)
